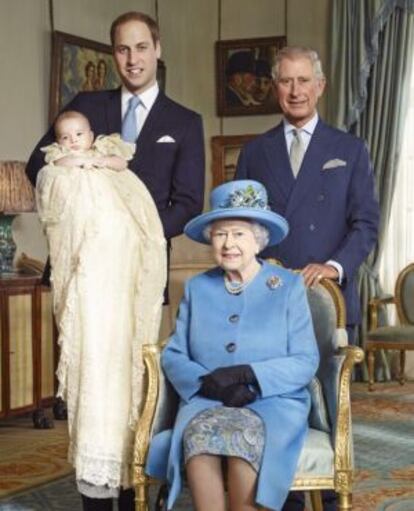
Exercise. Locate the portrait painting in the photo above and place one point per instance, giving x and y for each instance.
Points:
(244, 84)
(80, 64)
(225, 154)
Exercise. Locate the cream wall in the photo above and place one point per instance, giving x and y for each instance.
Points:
(189, 29)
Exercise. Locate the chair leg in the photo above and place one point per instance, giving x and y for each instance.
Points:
(371, 361)
(141, 493)
(316, 499)
(345, 502)
(402, 367)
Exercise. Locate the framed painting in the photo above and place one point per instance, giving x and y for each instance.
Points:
(80, 64)
(225, 153)
(244, 84)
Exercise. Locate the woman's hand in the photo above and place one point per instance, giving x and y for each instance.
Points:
(238, 395)
(230, 385)
(225, 376)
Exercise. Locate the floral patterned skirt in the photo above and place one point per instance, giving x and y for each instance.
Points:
(226, 431)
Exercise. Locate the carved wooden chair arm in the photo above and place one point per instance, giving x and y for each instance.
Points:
(343, 433)
(374, 305)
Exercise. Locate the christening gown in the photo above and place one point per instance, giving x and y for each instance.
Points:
(108, 258)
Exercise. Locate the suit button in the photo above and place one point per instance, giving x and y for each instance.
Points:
(312, 227)
(321, 197)
(234, 318)
(231, 347)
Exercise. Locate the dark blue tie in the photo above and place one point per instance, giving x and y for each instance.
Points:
(129, 124)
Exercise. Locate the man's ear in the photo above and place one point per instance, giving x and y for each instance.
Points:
(158, 50)
(321, 86)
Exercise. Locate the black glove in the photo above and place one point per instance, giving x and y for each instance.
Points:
(238, 395)
(225, 376)
(211, 390)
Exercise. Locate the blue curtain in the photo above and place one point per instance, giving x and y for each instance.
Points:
(372, 54)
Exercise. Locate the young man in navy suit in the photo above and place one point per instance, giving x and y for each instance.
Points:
(169, 155)
(321, 180)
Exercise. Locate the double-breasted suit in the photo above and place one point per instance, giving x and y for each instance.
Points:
(173, 170)
(268, 326)
(331, 206)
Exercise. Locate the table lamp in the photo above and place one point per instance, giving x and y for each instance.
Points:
(16, 196)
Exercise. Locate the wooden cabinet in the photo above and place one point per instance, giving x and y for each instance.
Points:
(28, 347)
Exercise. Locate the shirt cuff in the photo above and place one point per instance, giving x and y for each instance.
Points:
(338, 268)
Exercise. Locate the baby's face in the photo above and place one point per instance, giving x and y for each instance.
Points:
(74, 133)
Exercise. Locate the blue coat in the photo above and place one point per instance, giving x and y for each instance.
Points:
(332, 212)
(274, 334)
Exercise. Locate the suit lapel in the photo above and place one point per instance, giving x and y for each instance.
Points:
(114, 112)
(281, 179)
(309, 178)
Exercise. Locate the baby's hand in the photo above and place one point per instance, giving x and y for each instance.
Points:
(75, 161)
(112, 162)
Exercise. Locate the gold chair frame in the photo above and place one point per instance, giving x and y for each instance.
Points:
(341, 480)
(372, 345)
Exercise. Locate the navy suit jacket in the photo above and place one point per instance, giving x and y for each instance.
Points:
(332, 212)
(173, 172)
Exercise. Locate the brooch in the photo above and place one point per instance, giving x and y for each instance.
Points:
(274, 282)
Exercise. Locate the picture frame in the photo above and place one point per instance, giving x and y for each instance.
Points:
(244, 84)
(225, 153)
(80, 64)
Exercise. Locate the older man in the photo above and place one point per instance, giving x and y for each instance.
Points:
(321, 180)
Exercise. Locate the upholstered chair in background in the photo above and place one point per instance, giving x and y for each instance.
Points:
(395, 337)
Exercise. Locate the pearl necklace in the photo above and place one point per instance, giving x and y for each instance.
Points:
(233, 287)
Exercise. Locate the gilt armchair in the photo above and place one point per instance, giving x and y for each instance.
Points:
(326, 461)
(395, 337)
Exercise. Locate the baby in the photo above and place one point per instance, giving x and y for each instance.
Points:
(108, 260)
(74, 146)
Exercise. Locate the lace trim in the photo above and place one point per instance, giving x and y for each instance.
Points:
(100, 471)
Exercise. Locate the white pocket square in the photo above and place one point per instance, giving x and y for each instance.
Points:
(166, 139)
(333, 164)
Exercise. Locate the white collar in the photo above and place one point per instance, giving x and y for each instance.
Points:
(309, 127)
(147, 97)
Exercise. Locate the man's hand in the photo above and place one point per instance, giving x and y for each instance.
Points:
(314, 272)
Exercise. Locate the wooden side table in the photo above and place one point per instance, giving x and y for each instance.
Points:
(28, 344)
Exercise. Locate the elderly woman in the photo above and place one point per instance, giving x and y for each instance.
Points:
(240, 359)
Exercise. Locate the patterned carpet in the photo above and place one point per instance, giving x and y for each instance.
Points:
(30, 457)
(384, 455)
(384, 447)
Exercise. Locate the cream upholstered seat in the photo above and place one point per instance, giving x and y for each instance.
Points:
(326, 461)
(397, 337)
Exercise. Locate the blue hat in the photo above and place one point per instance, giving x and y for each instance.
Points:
(244, 199)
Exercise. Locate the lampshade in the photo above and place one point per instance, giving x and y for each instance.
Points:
(16, 196)
(16, 191)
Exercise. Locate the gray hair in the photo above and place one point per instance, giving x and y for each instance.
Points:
(260, 233)
(295, 52)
